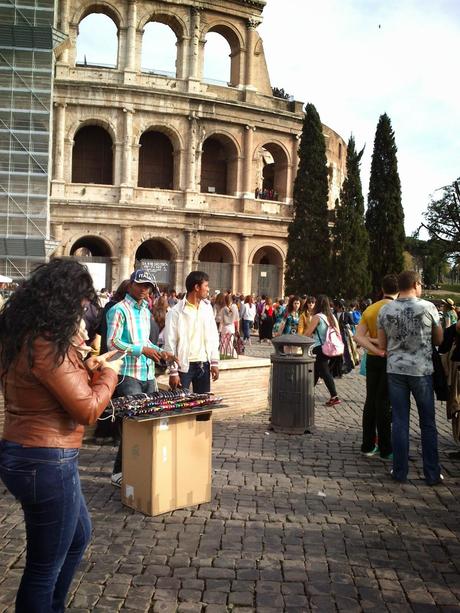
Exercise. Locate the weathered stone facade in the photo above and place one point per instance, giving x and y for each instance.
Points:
(197, 218)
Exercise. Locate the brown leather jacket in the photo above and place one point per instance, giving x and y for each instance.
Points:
(48, 406)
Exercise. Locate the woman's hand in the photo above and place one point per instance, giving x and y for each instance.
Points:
(115, 365)
(94, 362)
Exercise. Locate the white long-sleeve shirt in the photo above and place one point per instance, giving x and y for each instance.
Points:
(181, 331)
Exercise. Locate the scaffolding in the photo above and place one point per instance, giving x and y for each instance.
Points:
(27, 39)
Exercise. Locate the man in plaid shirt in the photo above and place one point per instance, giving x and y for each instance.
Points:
(128, 330)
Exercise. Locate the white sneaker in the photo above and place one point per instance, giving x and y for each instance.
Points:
(116, 479)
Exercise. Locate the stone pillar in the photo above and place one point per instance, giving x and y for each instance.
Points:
(251, 26)
(244, 268)
(248, 187)
(194, 52)
(188, 255)
(117, 162)
(294, 167)
(127, 147)
(57, 234)
(59, 142)
(183, 50)
(191, 154)
(130, 56)
(126, 255)
(64, 27)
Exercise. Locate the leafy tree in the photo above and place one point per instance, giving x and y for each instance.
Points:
(442, 218)
(351, 242)
(384, 215)
(308, 258)
(429, 256)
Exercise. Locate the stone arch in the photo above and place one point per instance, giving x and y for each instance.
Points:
(157, 254)
(92, 121)
(216, 257)
(172, 133)
(106, 8)
(228, 251)
(235, 41)
(219, 163)
(267, 264)
(175, 22)
(167, 242)
(272, 163)
(92, 155)
(111, 44)
(95, 252)
(95, 246)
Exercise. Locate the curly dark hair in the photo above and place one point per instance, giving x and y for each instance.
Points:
(48, 304)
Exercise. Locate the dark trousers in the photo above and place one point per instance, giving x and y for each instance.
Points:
(377, 410)
(322, 371)
(198, 376)
(128, 386)
(58, 528)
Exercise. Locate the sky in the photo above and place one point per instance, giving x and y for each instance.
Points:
(354, 60)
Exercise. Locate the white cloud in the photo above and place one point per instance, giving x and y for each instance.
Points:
(356, 59)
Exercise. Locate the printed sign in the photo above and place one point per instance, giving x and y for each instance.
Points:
(160, 269)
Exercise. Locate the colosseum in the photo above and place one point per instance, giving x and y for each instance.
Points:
(173, 170)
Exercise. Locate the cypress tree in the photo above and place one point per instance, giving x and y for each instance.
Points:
(351, 242)
(385, 215)
(308, 258)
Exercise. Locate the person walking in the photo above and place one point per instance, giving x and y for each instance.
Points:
(376, 423)
(248, 314)
(128, 330)
(50, 395)
(191, 334)
(266, 321)
(322, 318)
(408, 327)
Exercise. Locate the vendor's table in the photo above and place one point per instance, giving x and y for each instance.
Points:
(167, 461)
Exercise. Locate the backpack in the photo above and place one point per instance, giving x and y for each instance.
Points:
(333, 345)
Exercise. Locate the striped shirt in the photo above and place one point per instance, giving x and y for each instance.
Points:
(128, 329)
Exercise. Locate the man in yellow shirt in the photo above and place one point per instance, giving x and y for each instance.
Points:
(377, 410)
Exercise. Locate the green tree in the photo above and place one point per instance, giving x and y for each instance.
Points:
(350, 240)
(384, 215)
(442, 218)
(309, 255)
(429, 256)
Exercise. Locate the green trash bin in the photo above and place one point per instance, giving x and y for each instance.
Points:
(292, 384)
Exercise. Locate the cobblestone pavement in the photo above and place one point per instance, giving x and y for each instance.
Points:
(296, 523)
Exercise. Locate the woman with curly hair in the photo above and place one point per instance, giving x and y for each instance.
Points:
(50, 394)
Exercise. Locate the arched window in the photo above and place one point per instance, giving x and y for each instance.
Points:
(92, 156)
(218, 166)
(156, 161)
(216, 260)
(156, 257)
(217, 60)
(97, 41)
(159, 49)
(267, 271)
(90, 246)
(271, 178)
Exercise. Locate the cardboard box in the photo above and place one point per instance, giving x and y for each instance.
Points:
(167, 462)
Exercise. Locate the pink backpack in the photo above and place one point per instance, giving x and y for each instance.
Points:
(333, 345)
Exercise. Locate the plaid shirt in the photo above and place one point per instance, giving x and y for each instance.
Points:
(128, 329)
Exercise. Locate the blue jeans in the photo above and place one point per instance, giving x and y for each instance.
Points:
(246, 329)
(199, 376)
(129, 386)
(400, 388)
(58, 528)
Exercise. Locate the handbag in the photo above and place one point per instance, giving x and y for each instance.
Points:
(333, 345)
(440, 386)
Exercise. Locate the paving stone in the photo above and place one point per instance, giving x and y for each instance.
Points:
(295, 523)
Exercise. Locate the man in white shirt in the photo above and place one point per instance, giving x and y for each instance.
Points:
(191, 329)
